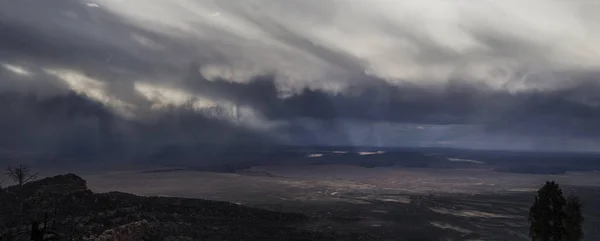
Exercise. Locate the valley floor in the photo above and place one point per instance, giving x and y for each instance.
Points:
(389, 203)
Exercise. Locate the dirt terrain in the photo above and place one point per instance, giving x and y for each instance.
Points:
(388, 202)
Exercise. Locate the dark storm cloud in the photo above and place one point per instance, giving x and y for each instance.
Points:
(571, 111)
(383, 68)
(43, 117)
(71, 128)
(96, 42)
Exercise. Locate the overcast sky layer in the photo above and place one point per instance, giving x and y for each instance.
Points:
(482, 74)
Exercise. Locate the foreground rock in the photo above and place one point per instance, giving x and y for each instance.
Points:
(139, 230)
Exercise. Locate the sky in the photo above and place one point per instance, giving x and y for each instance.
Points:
(132, 75)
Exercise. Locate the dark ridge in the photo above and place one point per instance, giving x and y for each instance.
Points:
(61, 184)
(79, 214)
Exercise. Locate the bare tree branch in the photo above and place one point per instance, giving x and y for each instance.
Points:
(21, 174)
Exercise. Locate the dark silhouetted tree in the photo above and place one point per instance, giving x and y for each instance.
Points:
(554, 218)
(573, 219)
(38, 232)
(21, 175)
(41, 231)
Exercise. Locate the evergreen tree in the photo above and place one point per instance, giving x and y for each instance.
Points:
(554, 218)
(573, 219)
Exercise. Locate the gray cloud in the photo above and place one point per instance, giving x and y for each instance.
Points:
(306, 71)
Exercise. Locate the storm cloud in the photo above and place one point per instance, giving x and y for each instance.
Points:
(480, 74)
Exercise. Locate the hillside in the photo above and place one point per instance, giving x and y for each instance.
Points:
(76, 213)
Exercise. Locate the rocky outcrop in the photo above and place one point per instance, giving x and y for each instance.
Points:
(63, 184)
(132, 231)
(57, 185)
